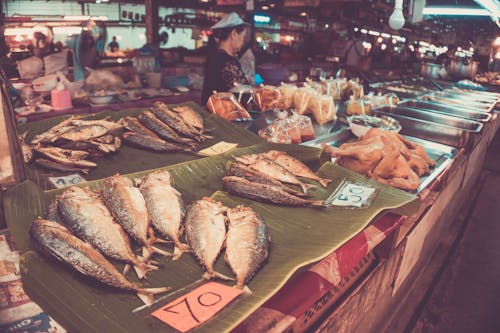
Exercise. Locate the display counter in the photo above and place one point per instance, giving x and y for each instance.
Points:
(357, 274)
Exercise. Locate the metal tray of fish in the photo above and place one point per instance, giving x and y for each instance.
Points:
(463, 102)
(446, 109)
(438, 118)
(474, 95)
(442, 154)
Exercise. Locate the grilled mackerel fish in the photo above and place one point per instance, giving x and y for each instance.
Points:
(294, 166)
(247, 243)
(86, 215)
(149, 120)
(166, 208)
(134, 125)
(205, 233)
(262, 192)
(272, 169)
(173, 120)
(127, 205)
(57, 241)
(242, 170)
(153, 143)
(190, 117)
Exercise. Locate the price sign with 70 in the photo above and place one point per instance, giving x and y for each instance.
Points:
(196, 307)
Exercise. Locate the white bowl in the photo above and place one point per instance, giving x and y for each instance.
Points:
(101, 99)
(360, 124)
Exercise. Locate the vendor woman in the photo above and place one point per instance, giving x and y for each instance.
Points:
(222, 69)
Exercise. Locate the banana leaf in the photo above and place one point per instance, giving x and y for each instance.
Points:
(299, 236)
(131, 159)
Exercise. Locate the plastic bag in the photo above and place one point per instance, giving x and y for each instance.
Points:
(323, 108)
(287, 91)
(57, 62)
(30, 68)
(226, 106)
(301, 99)
(268, 98)
(101, 79)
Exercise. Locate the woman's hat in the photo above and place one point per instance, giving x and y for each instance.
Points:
(228, 21)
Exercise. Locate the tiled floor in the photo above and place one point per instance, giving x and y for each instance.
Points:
(466, 297)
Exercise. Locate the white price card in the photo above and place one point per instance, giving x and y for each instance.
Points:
(218, 148)
(65, 181)
(351, 195)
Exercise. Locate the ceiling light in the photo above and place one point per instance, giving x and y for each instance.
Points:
(397, 20)
(380, 39)
(265, 7)
(364, 31)
(455, 11)
(373, 33)
(303, 14)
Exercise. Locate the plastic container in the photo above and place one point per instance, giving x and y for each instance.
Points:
(60, 99)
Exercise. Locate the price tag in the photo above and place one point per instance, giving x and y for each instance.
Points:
(351, 195)
(218, 148)
(196, 307)
(65, 181)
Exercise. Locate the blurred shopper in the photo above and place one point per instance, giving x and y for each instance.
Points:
(223, 69)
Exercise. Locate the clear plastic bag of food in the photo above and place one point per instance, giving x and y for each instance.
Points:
(287, 92)
(227, 106)
(268, 98)
(276, 132)
(306, 128)
(359, 106)
(301, 99)
(323, 108)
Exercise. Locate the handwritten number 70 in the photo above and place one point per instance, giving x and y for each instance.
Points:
(206, 299)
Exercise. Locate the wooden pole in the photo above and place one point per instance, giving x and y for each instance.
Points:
(151, 21)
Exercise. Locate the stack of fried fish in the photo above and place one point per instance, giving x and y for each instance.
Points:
(68, 145)
(165, 130)
(266, 177)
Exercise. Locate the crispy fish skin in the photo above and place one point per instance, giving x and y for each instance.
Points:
(262, 192)
(52, 165)
(165, 206)
(294, 166)
(190, 116)
(173, 120)
(74, 158)
(205, 232)
(247, 243)
(273, 170)
(54, 131)
(134, 125)
(153, 143)
(242, 170)
(89, 219)
(58, 242)
(127, 205)
(163, 130)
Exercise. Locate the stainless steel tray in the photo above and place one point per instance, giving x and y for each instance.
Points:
(479, 96)
(462, 102)
(446, 109)
(428, 130)
(442, 154)
(438, 118)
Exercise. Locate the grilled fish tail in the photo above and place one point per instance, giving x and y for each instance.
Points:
(147, 294)
(213, 274)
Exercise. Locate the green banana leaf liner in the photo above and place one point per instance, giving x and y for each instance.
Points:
(299, 236)
(131, 159)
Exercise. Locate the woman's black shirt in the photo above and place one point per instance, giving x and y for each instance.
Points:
(221, 72)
